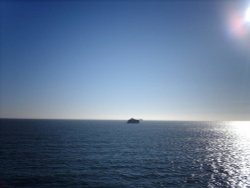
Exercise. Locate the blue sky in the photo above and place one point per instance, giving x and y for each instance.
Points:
(165, 60)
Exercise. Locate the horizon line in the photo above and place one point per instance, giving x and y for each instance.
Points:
(92, 119)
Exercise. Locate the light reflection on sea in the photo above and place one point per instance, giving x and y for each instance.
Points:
(58, 153)
(230, 156)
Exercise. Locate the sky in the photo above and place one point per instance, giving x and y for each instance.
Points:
(155, 60)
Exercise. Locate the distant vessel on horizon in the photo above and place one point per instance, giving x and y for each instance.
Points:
(132, 120)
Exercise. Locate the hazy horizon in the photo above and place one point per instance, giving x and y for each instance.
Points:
(125, 120)
(152, 60)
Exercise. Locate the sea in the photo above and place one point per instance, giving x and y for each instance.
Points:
(114, 154)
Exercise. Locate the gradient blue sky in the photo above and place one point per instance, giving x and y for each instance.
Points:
(165, 60)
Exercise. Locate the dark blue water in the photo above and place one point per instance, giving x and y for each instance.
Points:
(56, 153)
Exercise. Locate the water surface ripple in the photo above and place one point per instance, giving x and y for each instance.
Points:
(56, 153)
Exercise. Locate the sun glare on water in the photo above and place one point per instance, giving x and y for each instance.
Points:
(241, 128)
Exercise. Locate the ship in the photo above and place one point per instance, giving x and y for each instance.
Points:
(132, 120)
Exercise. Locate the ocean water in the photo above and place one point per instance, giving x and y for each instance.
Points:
(64, 153)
